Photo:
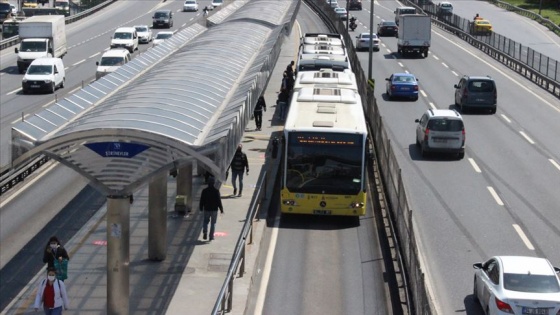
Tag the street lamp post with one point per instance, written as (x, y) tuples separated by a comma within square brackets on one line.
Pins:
[(370, 41)]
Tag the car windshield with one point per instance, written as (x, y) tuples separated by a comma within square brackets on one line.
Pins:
[(123, 35), (403, 78), (141, 29), (389, 24), (5, 7), (481, 86), (366, 36), (111, 61), (531, 283), (190, 2), (445, 125), (61, 4), (33, 46), (163, 36), (160, 15), (407, 11), (40, 69)]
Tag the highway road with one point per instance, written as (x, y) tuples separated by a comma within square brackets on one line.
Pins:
[(502, 198)]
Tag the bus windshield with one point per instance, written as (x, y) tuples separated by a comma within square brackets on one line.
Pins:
[(324, 163)]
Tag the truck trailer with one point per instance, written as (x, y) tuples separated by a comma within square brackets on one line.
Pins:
[(415, 34), (41, 36)]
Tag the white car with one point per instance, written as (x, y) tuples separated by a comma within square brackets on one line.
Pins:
[(14, 9), (517, 285), (342, 13), (190, 5), (217, 3), (44, 74), (161, 36), (363, 39), (144, 34)]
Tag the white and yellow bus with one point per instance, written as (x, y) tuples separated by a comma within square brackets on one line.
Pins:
[(324, 159)]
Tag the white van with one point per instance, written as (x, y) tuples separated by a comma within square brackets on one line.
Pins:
[(402, 11), (125, 37), (111, 60), (44, 74)]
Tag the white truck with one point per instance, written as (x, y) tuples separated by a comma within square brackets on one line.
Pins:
[(41, 36), (415, 34)]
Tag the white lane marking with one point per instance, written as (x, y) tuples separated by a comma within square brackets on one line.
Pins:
[(524, 237), (14, 91), (455, 73), (443, 63), (555, 164), (94, 55), (495, 195), (432, 105), (400, 64), (521, 85), (423, 93), (435, 57), (77, 63), (474, 165), (527, 137), (267, 267), (505, 118)]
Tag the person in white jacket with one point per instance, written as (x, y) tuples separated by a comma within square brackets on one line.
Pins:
[(51, 294)]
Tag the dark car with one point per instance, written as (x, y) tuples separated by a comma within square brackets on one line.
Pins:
[(355, 5), (5, 11), (162, 18), (476, 92), (387, 28)]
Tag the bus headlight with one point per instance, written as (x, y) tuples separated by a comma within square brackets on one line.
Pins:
[(289, 202), (357, 205)]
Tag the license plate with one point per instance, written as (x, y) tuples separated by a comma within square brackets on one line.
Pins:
[(322, 212), (34, 86), (439, 140), (404, 89), (534, 311)]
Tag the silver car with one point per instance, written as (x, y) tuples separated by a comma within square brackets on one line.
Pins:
[(517, 285), (441, 130), (144, 33), (363, 40)]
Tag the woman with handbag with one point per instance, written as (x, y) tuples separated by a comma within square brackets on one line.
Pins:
[(51, 295), (55, 253)]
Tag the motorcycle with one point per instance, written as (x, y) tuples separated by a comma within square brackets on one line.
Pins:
[(353, 24)]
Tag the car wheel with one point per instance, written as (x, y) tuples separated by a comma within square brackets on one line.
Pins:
[(460, 156), (53, 87), (415, 98), (62, 83), (493, 111), (423, 151), (21, 70), (417, 142)]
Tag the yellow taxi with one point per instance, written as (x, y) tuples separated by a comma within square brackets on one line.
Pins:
[(481, 26), (30, 4)]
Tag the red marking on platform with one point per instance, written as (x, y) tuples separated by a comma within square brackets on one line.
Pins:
[(220, 234), (100, 243)]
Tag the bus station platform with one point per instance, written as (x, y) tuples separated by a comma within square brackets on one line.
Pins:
[(189, 280)]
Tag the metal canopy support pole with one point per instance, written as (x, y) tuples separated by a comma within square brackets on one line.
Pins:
[(370, 63), (157, 218), (118, 253)]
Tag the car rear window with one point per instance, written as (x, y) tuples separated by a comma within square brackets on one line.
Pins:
[(481, 86), (531, 283), (445, 124)]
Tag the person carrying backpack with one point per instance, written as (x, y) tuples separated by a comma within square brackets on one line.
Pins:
[(51, 295), (238, 165)]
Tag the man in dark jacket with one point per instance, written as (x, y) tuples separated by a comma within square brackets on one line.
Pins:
[(258, 112), (238, 166), (210, 203)]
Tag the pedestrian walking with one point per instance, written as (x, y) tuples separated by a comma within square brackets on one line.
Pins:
[(238, 166), (51, 294), (258, 112), (290, 69), (210, 203), (205, 11), (54, 251)]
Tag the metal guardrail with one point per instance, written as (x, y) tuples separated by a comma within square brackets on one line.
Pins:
[(70, 19), (530, 14)]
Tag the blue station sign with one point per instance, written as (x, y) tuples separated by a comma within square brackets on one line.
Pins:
[(117, 149)]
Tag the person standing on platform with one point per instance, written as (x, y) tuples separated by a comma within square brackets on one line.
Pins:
[(54, 250), (210, 203), (238, 166), (258, 112)]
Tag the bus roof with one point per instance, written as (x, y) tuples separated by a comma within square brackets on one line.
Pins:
[(326, 78), (323, 49), (317, 110), (322, 38)]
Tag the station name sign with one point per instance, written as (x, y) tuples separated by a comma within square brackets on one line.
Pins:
[(117, 149)]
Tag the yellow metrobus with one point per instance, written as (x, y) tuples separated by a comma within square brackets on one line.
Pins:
[(324, 157)]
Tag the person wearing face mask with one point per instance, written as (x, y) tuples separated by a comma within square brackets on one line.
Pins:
[(54, 250), (51, 295)]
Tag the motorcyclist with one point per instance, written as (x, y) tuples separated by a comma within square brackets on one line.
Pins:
[(352, 22)]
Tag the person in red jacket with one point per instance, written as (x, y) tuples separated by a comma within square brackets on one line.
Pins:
[(51, 295)]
